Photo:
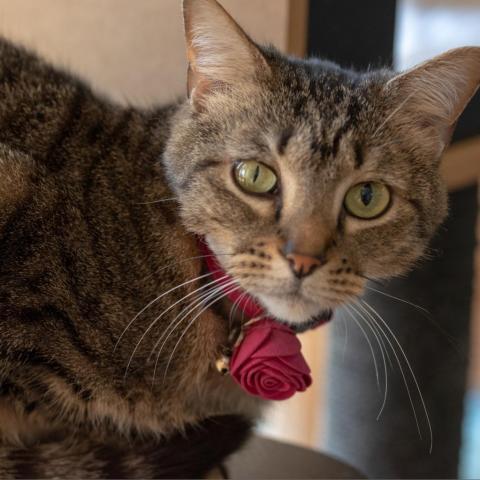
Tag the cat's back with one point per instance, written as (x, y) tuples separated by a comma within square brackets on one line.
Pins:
[(48, 121), (17, 173), (47, 112), (71, 163)]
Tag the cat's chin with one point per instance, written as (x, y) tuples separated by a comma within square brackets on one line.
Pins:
[(301, 315)]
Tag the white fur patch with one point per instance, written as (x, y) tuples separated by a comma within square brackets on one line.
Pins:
[(290, 309)]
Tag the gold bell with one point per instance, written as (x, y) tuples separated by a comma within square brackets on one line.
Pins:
[(222, 364)]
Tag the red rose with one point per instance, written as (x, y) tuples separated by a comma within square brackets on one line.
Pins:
[(269, 363)]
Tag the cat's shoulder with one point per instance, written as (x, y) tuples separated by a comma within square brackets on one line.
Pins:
[(24, 71), (13, 53), (16, 57), (17, 172)]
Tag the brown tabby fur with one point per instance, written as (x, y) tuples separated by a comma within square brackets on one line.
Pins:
[(81, 253), (85, 243)]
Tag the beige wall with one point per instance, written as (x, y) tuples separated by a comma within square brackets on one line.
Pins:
[(132, 49)]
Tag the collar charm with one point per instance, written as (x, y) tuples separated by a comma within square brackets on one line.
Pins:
[(264, 356)]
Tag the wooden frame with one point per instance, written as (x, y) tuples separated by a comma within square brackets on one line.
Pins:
[(297, 27), (461, 164)]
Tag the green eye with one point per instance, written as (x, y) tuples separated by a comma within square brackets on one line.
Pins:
[(255, 177), (367, 200)]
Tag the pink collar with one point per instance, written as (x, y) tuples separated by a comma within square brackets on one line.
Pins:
[(245, 302)]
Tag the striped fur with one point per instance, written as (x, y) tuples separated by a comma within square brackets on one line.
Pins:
[(82, 251)]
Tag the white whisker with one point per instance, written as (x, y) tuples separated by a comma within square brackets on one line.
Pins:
[(196, 301), (451, 340), (163, 200), (191, 323), (399, 299), (410, 369), (152, 324), (367, 338), (381, 347), (374, 326), (234, 308), (345, 336), (156, 300), (205, 297), (389, 117)]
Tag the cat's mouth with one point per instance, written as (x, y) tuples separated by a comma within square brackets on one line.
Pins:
[(248, 307)]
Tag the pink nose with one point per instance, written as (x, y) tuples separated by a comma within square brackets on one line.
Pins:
[(302, 265)]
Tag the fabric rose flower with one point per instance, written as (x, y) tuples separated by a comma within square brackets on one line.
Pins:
[(269, 363)]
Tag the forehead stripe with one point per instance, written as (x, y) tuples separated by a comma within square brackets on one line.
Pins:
[(358, 155), (284, 139)]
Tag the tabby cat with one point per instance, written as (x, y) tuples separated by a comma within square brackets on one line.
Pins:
[(304, 179)]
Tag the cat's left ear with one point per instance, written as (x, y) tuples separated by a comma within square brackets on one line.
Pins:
[(435, 93), (220, 54)]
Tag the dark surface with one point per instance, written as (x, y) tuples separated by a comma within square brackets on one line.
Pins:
[(391, 447), (361, 35), (469, 123), (351, 32), (263, 458)]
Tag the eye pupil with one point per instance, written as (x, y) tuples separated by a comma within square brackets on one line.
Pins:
[(255, 177), (256, 174), (367, 200), (366, 194)]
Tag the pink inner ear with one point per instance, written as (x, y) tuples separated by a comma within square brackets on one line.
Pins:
[(200, 89), (191, 80), (198, 93), (441, 88), (219, 52)]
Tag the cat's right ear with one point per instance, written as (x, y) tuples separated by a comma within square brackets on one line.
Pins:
[(220, 54), (435, 93)]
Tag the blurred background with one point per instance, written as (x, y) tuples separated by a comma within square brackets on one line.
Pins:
[(134, 52)]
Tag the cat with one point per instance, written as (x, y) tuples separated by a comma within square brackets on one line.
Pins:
[(304, 179)]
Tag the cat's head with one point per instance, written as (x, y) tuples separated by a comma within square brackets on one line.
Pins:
[(304, 178)]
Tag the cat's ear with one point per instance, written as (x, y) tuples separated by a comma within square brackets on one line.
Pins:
[(220, 54), (435, 93)]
